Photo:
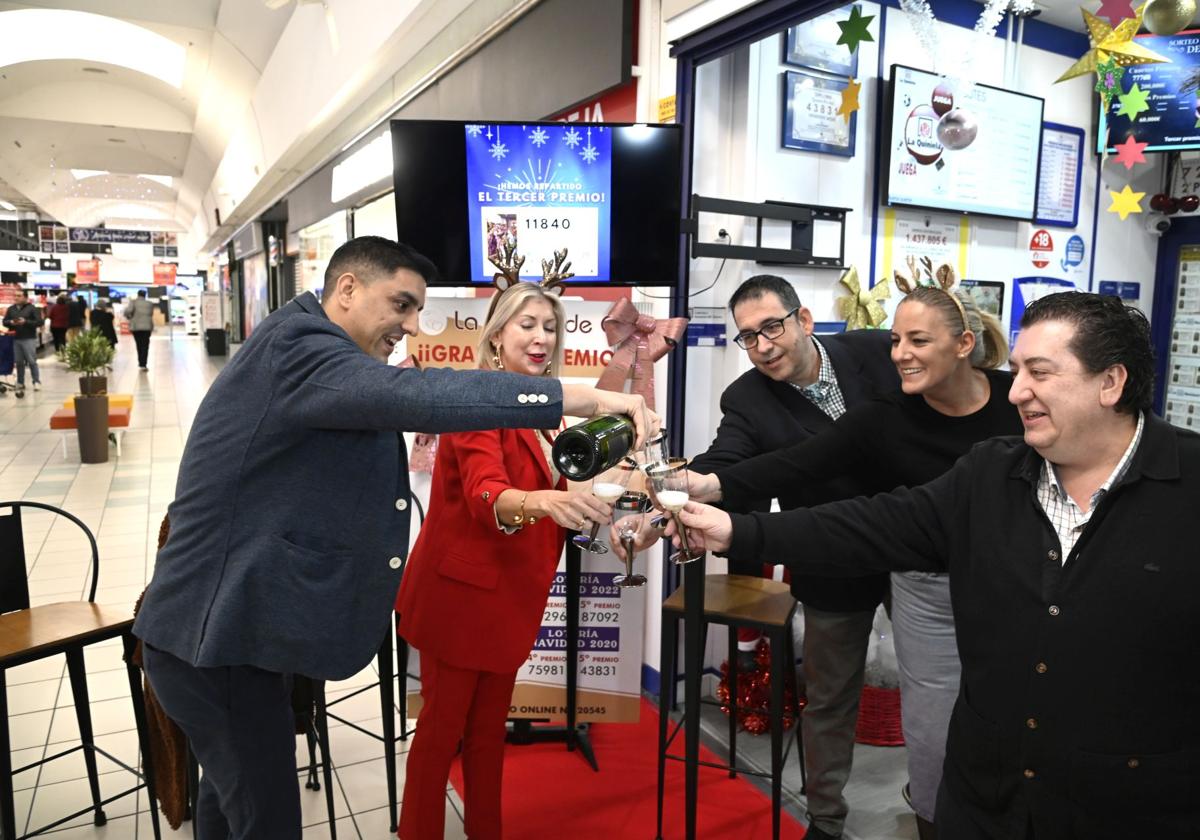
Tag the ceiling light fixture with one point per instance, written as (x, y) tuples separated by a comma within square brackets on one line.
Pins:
[(7, 206), (82, 36)]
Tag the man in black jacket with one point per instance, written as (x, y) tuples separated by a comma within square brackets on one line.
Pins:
[(799, 386), (24, 319), (1073, 576)]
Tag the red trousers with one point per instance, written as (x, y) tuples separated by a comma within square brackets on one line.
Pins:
[(458, 705)]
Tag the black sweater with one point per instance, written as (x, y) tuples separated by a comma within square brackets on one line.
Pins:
[(893, 441)]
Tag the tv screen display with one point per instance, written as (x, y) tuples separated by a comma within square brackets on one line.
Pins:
[(995, 175), (1173, 121), (609, 194)]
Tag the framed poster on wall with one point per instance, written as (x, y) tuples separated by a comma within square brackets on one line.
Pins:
[(1059, 173), (810, 118), (814, 43)]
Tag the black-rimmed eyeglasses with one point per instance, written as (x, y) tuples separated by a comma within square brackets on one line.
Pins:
[(771, 330)]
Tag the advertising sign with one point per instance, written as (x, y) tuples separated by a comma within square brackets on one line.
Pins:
[(539, 189), (87, 271)]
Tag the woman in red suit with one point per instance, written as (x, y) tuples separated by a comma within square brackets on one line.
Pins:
[(476, 583)]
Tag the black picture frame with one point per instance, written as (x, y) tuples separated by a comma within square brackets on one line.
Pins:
[(813, 44), (792, 80)]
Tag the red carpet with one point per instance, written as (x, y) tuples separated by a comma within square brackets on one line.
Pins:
[(551, 793)]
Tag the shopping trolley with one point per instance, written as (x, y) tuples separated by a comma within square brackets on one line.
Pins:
[(6, 368)]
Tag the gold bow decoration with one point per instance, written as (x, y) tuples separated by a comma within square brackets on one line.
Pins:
[(638, 341), (862, 308), (1112, 43)]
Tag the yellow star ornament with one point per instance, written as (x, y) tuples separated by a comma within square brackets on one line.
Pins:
[(1125, 202), (849, 100), (1116, 44)]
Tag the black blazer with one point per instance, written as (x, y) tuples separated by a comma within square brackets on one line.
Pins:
[(1077, 705), (761, 415)]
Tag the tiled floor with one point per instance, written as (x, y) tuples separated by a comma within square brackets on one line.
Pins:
[(123, 502)]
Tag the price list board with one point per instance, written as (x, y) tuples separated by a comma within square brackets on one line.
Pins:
[(1183, 361), (610, 650), (1058, 175)]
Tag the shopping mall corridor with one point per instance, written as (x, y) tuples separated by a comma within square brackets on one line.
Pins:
[(123, 501)]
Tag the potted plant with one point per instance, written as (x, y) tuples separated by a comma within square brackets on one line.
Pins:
[(90, 354)]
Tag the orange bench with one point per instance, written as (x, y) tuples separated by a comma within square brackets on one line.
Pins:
[(118, 421)]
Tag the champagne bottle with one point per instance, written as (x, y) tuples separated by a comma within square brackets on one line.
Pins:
[(589, 448)]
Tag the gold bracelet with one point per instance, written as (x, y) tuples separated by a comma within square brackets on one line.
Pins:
[(519, 517)]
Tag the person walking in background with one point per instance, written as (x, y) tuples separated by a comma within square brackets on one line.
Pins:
[(24, 319), (76, 315), (140, 314), (102, 320), (60, 318)]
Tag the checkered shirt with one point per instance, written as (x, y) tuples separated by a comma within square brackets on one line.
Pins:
[(1066, 517), (824, 393)]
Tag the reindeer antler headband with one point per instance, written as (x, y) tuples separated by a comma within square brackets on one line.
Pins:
[(554, 273), (942, 279)]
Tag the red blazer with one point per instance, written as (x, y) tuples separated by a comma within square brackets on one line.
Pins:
[(472, 595)]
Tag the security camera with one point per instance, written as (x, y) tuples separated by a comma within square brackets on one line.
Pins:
[(1156, 224)]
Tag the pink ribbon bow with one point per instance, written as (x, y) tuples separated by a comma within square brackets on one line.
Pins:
[(638, 341)]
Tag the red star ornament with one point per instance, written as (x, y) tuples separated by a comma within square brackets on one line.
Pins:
[(1130, 152), (1115, 10)]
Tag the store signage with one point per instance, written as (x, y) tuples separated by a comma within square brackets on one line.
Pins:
[(1041, 248), (1123, 290), (618, 105), (51, 264), (87, 271), (1075, 251), (132, 237), (370, 164), (164, 274), (666, 109)]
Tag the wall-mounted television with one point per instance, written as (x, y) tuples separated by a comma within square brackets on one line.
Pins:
[(1171, 123), (996, 175), (607, 193)]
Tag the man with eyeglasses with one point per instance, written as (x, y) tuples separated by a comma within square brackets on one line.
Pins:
[(799, 385)]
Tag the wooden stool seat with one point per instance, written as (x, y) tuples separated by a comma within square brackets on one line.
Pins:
[(34, 632), (64, 418), (749, 601), (114, 400)]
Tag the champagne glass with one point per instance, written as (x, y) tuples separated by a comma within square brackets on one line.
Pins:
[(628, 513), (607, 487), (670, 482), (655, 450)]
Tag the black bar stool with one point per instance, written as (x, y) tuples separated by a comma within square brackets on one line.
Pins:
[(735, 601)]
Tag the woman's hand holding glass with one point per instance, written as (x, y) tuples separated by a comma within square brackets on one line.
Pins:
[(607, 487), (574, 510)]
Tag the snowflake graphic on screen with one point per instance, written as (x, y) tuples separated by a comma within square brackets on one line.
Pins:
[(539, 137), (589, 153), (474, 130), (498, 150), (572, 138)]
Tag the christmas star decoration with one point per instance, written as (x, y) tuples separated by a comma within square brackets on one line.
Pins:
[(1108, 81), (1125, 202), (849, 100), (1115, 10), (1130, 152), (1133, 102), (1112, 42), (854, 30)]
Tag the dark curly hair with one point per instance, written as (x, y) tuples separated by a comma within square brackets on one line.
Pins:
[(1107, 333)]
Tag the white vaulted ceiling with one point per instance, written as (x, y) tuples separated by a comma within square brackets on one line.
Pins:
[(78, 108)]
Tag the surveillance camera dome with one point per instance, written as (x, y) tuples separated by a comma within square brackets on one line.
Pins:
[(1156, 224)]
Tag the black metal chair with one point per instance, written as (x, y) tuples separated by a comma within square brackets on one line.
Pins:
[(29, 633), (735, 601)]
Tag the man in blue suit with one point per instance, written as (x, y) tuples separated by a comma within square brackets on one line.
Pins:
[(291, 521)]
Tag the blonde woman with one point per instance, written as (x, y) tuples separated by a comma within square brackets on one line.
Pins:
[(473, 592)]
